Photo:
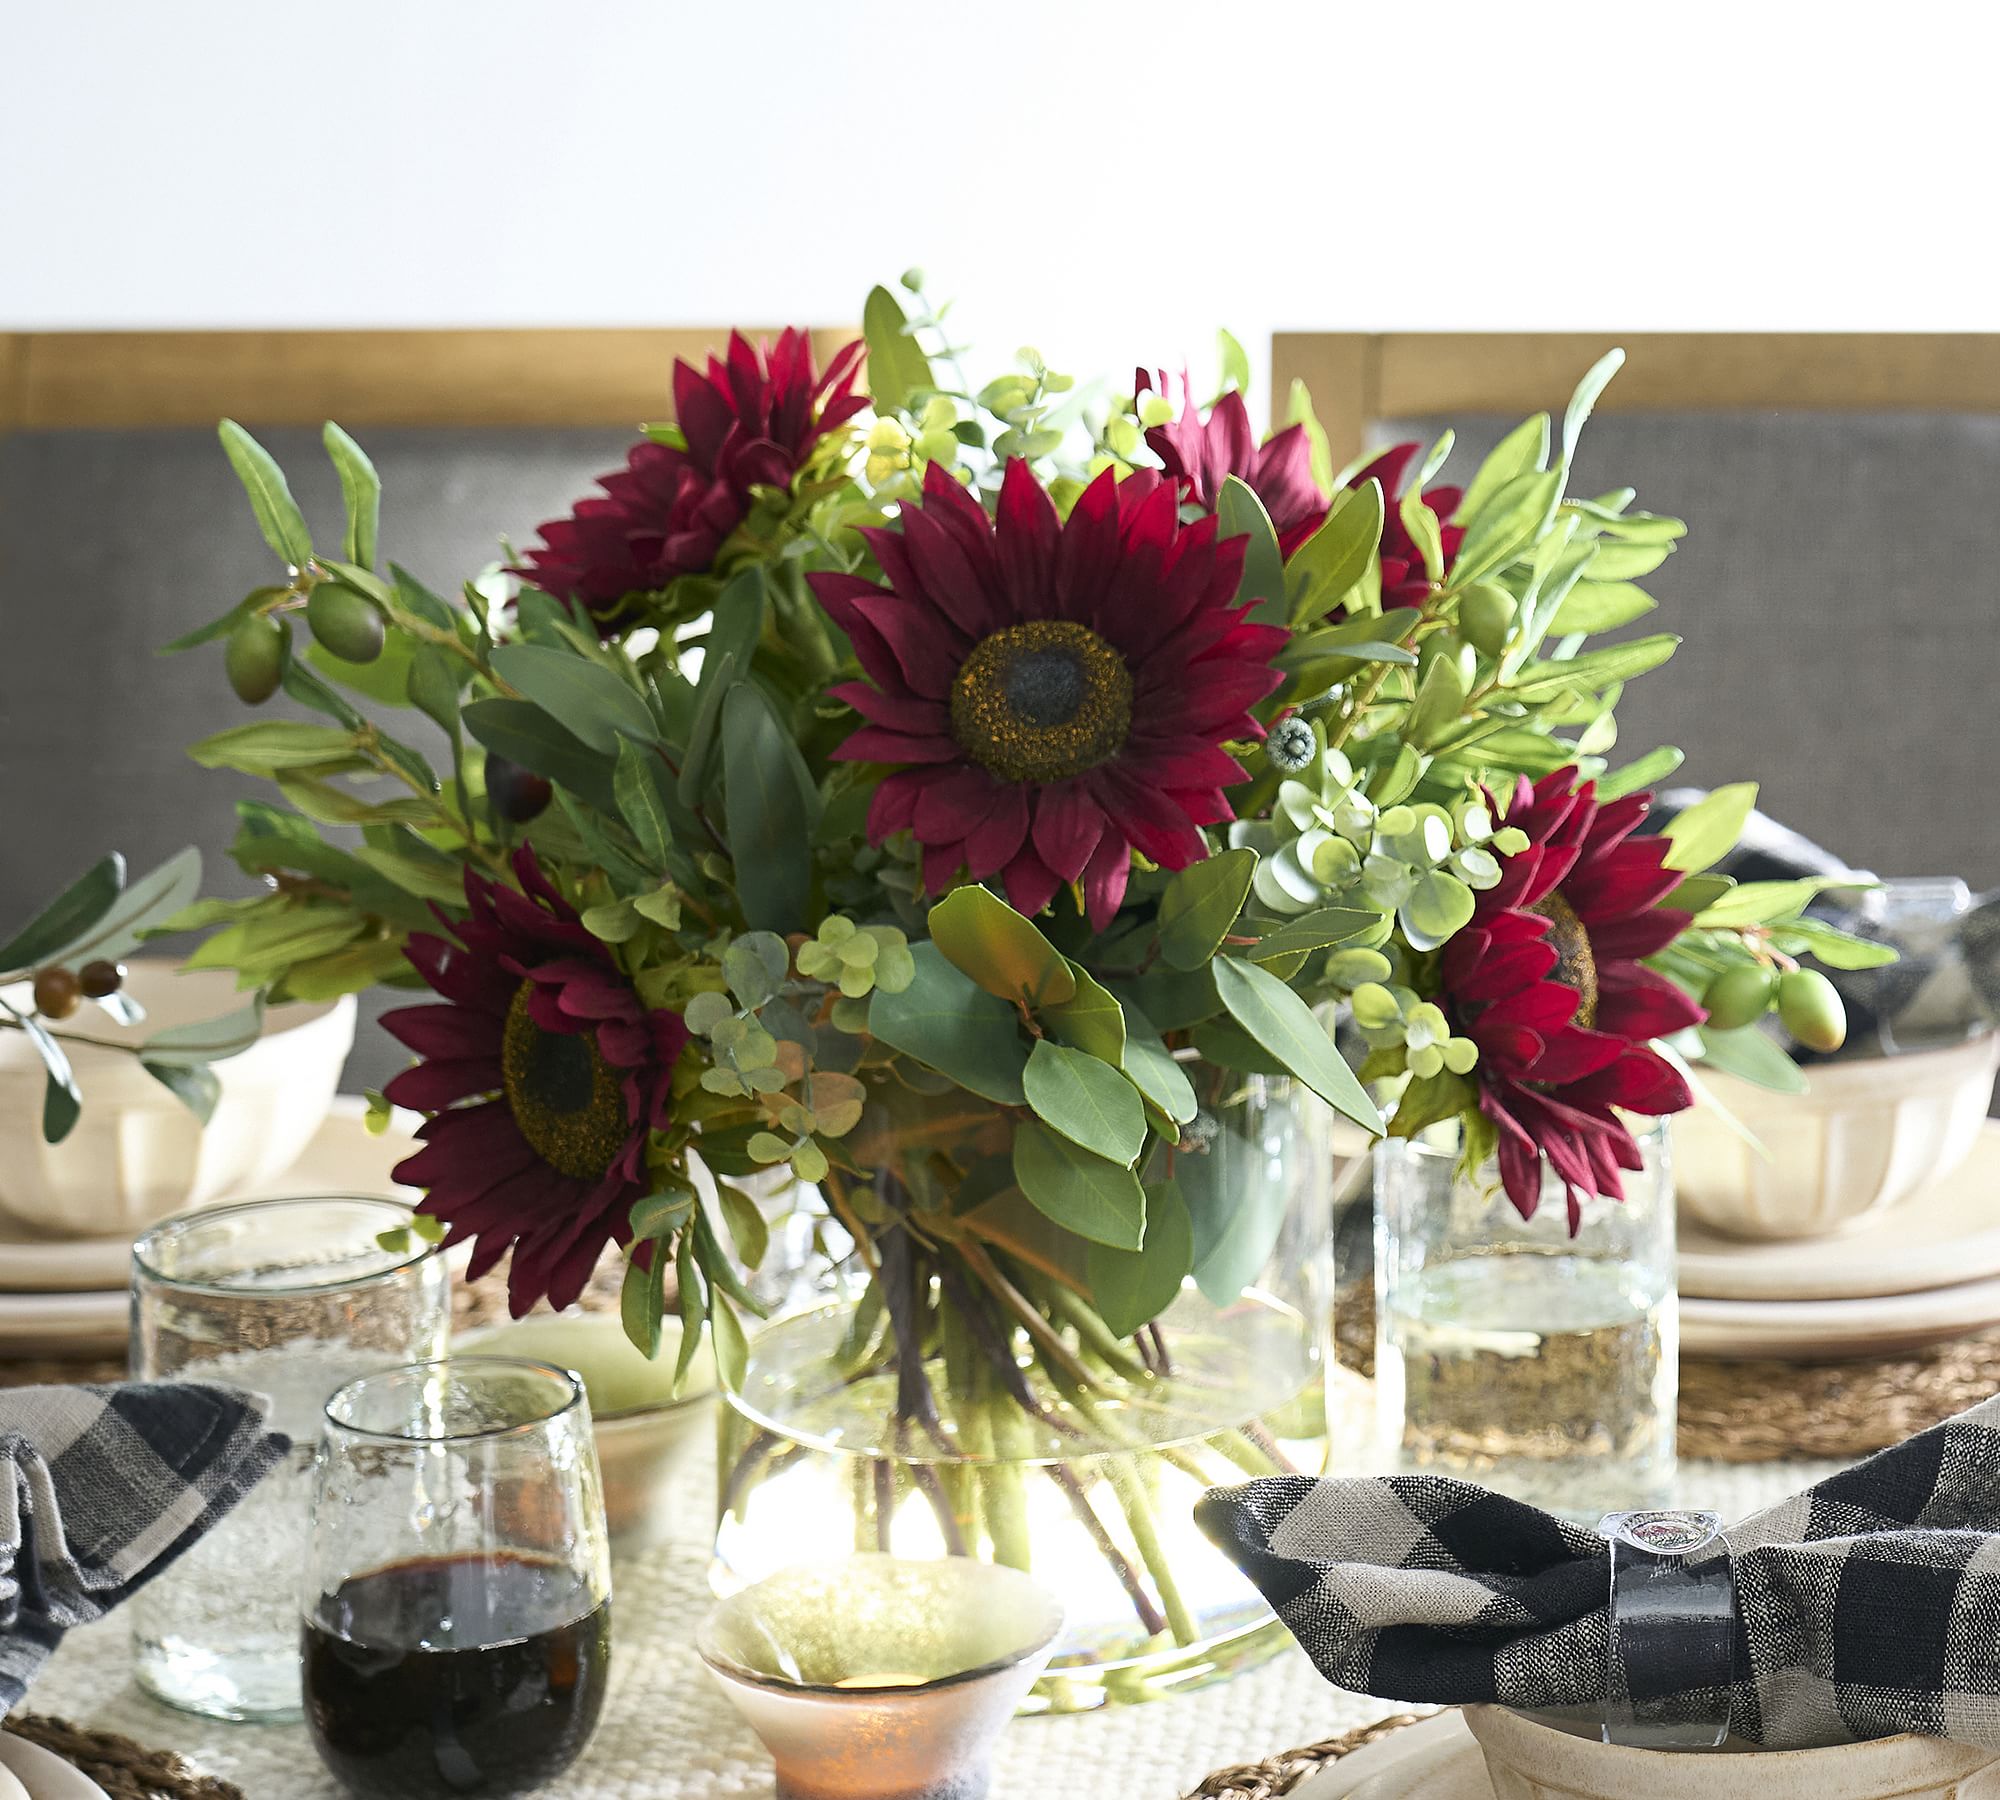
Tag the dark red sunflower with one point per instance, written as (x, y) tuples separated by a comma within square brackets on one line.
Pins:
[(1546, 980), (749, 422), (1201, 454), (1055, 694), (1404, 579), (544, 1075)]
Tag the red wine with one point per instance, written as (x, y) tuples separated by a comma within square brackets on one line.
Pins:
[(480, 1674)]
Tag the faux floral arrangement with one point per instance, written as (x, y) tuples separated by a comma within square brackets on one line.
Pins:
[(911, 785)]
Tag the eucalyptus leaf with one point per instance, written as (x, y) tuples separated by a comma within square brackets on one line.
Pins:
[(1090, 1019), (945, 1021), (1005, 953), (1131, 1288), (1088, 1101), (1201, 904), (525, 735), (1279, 1020), (1153, 1071), (1085, 1194), (195, 1085)]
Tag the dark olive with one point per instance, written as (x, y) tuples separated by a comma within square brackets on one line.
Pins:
[(101, 979), (345, 623), (255, 657), (517, 795), (58, 993)]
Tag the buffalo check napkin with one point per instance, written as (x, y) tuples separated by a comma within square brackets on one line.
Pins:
[(100, 1489), (1865, 1606)]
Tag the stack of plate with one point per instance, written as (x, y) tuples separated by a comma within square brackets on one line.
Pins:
[(67, 1298), (28, 1772), (1921, 1272)]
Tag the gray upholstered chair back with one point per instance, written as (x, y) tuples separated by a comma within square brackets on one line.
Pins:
[(1838, 592)]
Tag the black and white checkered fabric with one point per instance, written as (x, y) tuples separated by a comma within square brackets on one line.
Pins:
[(100, 1489), (1866, 1606)]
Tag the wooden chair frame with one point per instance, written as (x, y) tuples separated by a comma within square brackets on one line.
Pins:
[(130, 379), (1357, 379)]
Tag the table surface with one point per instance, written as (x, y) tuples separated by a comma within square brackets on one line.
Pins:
[(668, 1734)]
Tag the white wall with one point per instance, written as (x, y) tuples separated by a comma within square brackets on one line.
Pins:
[(1107, 180)]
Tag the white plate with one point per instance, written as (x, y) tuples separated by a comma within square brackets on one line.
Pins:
[(1878, 1326), (341, 1158), (1947, 1235), (43, 1774), (1437, 1760)]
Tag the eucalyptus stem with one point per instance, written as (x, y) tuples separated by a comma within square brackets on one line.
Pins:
[(1137, 1507), (1094, 1334), (1151, 1620), (1024, 1310), (1004, 1491)]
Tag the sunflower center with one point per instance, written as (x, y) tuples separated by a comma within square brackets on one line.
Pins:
[(1041, 701), (564, 1096), (1575, 965)]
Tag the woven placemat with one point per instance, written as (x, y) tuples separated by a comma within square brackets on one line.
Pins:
[(1283, 1772), (123, 1769)]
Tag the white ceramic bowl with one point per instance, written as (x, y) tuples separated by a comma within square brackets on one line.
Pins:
[(1865, 1136), (138, 1154), (1528, 1760)]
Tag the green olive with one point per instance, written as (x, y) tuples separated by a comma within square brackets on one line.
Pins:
[(254, 657), (1739, 996), (1485, 616), (1809, 1008), (344, 623)]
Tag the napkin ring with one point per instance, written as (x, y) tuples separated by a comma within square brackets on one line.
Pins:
[(1670, 1652)]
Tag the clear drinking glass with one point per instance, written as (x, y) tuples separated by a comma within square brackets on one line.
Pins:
[(1509, 1352), (290, 1298), (457, 1599)]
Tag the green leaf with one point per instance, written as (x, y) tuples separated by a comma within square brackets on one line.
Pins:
[(386, 680), (326, 804), (1082, 1193), (1623, 562), (1279, 1020), (1299, 411), (222, 627), (636, 782), (434, 687), (268, 745), (1201, 903), (766, 812), (1837, 949), (1762, 902), (1707, 831), (1131, 1288), (524, 734), (67, 917), (1336, 556), (427, 878), (731, 1347), (1593, 384), (1235, 362), (1003, 952), (360, 493), (1654, 766), (1088, 1101), (641, 1301), (1314, 931), (706, 730), (582, 696), (948, 1023), (1750, 1055), (1172, 998), (411, 596), (278, 515), (1594, 669), (195, 1085), (661, 1214), (1239, 513), (1698, 893), (1091, 1019), (1438, 905), (144, 906), (1440, 700), (1152, 1070), (1522, 451), (1600, 605), (692, 1296), (1422, 526), (62, 1100), (1227, 1045), (1505, 525), (897, 367)]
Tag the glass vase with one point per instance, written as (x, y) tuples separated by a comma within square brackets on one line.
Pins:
[(1517, 1353), (954, 1391)]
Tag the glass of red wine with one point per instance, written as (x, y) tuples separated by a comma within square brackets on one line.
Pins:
[(458, 1592)]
